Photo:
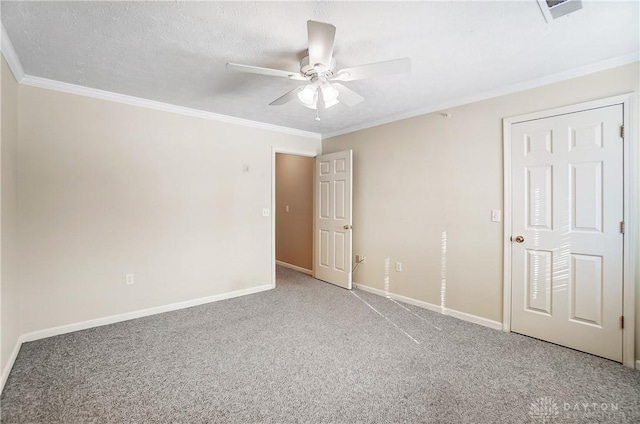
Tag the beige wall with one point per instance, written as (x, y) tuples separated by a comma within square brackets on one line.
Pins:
[(108, 189), (294, 229), (9, 216), (417, 179)]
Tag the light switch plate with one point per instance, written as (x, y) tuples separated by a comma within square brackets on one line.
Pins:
[(495, 215)]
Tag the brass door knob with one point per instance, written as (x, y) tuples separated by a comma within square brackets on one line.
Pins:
[(519, 239), (347, 227)]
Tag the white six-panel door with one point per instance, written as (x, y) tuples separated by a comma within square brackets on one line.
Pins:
[(333, 218), (567, 247)]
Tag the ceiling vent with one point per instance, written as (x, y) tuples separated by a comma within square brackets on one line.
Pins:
[(553, 9)]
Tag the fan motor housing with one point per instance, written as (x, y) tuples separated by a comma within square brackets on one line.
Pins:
[(319, 70)]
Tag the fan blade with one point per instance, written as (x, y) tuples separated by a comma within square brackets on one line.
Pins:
[(320, 106), (347, 96), (286, 98), (390, 67), (262, 71), (321, 39)]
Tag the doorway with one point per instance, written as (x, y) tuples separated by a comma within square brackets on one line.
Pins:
[(331, 205), (294, 211), (567, 199)]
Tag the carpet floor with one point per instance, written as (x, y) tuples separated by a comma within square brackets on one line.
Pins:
[(309, 352)]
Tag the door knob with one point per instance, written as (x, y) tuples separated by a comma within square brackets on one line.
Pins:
[(519, 239), (347, 227)]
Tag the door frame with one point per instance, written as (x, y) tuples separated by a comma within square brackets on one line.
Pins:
[(289, 151), (630, 208)]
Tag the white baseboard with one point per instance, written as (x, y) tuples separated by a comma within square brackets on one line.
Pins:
[(435, 308), (294, 267), (49, 332), (12, 360), (638, 364)]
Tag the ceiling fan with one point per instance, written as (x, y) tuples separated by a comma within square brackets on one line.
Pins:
[(318, 69)]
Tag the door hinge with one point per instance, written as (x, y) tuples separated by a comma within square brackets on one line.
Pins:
[(622, 321), (622, 131), (622, 227)]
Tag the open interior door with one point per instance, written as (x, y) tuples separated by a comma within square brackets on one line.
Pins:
[(333, 181)]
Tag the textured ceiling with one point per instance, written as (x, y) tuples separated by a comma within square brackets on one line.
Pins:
[(175, 52)]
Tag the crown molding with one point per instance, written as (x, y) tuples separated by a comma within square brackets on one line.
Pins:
[(16, 67), (10, 55), (151, 104), (514, 88)]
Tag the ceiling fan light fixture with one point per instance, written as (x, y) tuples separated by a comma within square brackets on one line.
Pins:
[(330, 103), (308, 95), (329, 92)]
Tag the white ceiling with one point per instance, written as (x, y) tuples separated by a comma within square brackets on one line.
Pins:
[(175, 52)]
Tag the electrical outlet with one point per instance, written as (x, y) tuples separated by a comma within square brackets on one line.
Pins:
[(398, 266), (128, 278)]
